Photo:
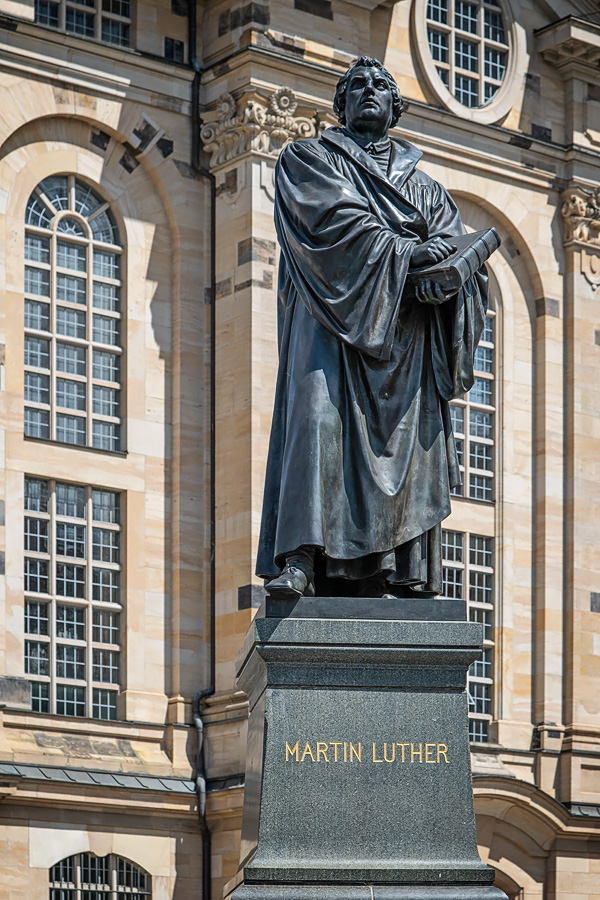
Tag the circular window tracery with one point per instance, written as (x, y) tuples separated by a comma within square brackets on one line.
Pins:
[(468, 43)]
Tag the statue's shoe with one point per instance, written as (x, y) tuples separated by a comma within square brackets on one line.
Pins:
[(291, 584)]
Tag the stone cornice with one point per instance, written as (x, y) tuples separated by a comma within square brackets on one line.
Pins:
[(568, 42), (252, 124)]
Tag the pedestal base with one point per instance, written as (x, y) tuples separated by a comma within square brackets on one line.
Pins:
[(358, 780)]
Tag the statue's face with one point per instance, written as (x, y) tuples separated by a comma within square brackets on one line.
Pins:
[(369, 99)]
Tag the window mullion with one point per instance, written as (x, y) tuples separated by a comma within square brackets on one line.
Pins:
[(89, 335), (52, 587), (88, 586)]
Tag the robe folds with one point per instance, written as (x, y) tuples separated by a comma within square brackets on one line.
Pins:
[(362, 457)]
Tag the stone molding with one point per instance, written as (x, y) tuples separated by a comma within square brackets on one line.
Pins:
[(252, 124), (581, 215)]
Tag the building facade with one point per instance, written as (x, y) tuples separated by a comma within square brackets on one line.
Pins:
[(137, 149)]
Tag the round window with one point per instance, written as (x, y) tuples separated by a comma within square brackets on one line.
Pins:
[(469, 49)]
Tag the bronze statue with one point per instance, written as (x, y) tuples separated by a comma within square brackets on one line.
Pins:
[(362, 457)]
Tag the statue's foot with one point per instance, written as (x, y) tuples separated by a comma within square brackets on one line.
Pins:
[(291, 584)]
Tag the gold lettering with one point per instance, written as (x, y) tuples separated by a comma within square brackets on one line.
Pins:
[(414, 752), (322, 748), (357, 753), (335, 745), (443, 752), (307, 752), (427, 760), (385, 756), (403, 746), (292, 751), (375, 760), (345, 752)]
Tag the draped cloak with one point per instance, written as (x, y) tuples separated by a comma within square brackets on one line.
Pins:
[(362, 457)]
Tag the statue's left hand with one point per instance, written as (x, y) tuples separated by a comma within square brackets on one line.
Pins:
[(428, 291)]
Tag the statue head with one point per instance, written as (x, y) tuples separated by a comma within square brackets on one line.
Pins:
[(370, 68)]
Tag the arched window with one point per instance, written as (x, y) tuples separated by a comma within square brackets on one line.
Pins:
[(87, 877), (468, 43), (73, 316)]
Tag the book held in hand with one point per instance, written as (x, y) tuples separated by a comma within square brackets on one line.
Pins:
[(472, 250)]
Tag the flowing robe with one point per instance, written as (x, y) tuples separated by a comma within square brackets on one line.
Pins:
[(362, 457)]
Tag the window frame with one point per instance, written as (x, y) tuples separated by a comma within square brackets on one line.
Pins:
[(109, 877), (82, 423), (89, 692), (95, 10)]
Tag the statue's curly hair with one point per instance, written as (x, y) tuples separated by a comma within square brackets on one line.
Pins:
[(339, 101)]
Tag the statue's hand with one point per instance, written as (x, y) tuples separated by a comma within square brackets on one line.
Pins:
[(428, 291), (430, 252)]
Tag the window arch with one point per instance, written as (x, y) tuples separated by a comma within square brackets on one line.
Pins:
[(73, 316), (88, 877)]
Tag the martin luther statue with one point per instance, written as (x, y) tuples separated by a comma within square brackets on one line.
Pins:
[(362, 457)]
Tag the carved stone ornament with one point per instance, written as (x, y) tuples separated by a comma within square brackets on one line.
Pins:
[(581, 214), (590, 269), (255, 125)]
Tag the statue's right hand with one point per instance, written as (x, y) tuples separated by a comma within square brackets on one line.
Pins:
[(431, 252)]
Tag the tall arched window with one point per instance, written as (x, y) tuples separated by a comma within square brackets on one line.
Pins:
[(88, 877), (73, 316)]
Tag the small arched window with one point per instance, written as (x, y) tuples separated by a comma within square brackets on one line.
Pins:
[(73, 316), (88, 877)]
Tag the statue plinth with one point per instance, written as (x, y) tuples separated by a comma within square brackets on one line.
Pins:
[(358, 780)]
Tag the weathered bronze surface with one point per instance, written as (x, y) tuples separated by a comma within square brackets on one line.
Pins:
[(362, 457)]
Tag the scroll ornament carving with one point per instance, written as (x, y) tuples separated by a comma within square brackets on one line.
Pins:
[(581, 214), (254, 125)]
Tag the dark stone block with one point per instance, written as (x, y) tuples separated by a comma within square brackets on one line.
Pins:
[(595, 602), (165, 147), (541, 133), (15, 692), (546, 306), (99, 139), (358, 780), (250, 596), (2, 562), (179, 7), (365, 608), (320, 8), (2, 516)]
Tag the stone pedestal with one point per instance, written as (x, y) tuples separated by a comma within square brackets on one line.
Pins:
[(358, 784)]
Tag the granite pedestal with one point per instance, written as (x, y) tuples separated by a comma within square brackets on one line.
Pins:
[(358, 780)]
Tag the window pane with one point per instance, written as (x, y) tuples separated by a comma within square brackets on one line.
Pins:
[(115, 32), (56, 189), (106, 330), (70, 500), (70, 394), (484, 360), (478, 730), (488, 330), (86, 199), (481, 550), (70, 662), (106, 585), (36, 617), (106, 628), (70, 322), (452, 545), (494, 64), (70, 359), (106, 296), (129, 876), (480, 424), (466, 55), (37, 249), (37, 315), (452, 583), (40, 696), (466, 90), (437, 11), (106, 436), (70, 540), (70, 701), (482, 668), (482, 617), (36, 495), (481, 487), (480, 700), (37, 352), (465, 16), (37, 423), (104, 229), (64, 871), (70, 581), (481, 456), (457, 413), (481, 587), (106, 366), (79, 22), (37, 213), (481, 392), (106, 507), (70, 429), (37, 281), (104, 704), (37, 388), (118, 7), (71, 226), (46, 13), (105, 401), (106, 545), (35, 535), (493, 26), (106, 666), (37, 658), (70, 623), (106, 264), (95, 871), (70, 256), (438, 44), (70, 289)]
